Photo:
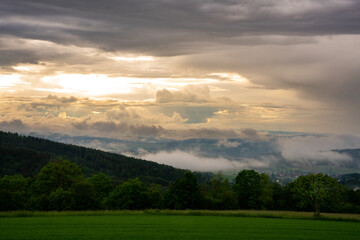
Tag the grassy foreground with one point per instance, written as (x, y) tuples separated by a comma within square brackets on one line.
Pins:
[(163, 225)]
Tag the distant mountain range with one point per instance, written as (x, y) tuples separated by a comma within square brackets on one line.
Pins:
[(26, 155)]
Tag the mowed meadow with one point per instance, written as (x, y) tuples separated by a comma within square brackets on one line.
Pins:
[(177, 225)]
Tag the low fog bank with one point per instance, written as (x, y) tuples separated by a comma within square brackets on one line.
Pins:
[(277, 151), (190, 160)]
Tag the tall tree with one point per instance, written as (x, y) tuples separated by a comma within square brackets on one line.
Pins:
[(13, 192), (57, 174), (14, 183), (131, 195), (315, 190), (248, 189), (221, 194), (102, 185), (184, 193), (267, 191), (61, 200), (85, 196), (156, 196)]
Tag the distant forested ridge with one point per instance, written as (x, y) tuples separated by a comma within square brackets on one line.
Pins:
[(27, 155), (351, 180)]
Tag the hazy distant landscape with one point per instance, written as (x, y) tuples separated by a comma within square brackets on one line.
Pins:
[(283, 154)]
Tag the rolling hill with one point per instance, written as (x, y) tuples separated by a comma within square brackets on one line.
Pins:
[(27, 155)]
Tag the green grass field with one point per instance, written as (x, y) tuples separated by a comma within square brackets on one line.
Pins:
[(164, 226)]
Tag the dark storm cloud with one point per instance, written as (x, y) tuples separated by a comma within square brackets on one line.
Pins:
[(170, 27)]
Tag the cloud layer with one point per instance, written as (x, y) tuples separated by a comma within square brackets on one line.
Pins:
[(172, 27), (190, 161), (181, 69)]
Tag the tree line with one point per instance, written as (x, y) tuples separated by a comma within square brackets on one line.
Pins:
[(61, 186)]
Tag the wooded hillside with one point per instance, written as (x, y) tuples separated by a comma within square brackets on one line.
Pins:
[(27, 155)]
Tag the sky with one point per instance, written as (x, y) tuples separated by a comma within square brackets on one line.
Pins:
[(172, 69)]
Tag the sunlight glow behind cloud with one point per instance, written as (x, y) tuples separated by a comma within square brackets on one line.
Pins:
[(101, 85), (90, 84), (29, 68), (7, 81), (230, 76), (132, 59)]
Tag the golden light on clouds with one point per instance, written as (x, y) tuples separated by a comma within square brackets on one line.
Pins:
[(133, 59), (62, 115), (29, 68), (102, 85), (231, 76), (7, 81), (220, 72), (89, 84)]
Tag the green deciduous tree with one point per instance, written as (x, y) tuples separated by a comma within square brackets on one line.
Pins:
[(266, 192), (14, 183), (221, 194), (184, 193), (57, 174), (13, 192), (10, 201), (316, 190), (102, 185), (155, 196), (61, 200), (85, 196), (278, 197), (39, 203), (248, 189), (131, 195)]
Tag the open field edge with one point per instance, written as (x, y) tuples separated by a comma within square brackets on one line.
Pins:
[(225, 213)]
